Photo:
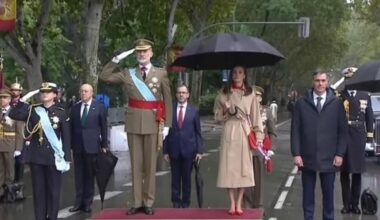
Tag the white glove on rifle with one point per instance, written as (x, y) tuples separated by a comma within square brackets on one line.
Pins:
[(165, 132), (29, 95), (123, 55)]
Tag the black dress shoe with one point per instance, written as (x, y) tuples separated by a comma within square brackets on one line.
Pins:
[(148, 210), (356, 210), (133, 210), (75, 208), (87, 209), (345, 210)]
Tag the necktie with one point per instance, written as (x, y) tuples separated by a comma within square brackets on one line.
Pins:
[(180, 116), (84, 114), (143, 72), (319, 104)]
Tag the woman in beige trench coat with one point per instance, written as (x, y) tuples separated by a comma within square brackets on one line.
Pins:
[(236, 106)]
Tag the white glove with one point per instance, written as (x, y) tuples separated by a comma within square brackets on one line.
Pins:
[(29, 95), (16, 153), (165, 132), (123, 55)]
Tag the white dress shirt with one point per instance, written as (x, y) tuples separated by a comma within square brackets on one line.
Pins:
[(148, 67), (82, 107), (323, 100), (352, 91)]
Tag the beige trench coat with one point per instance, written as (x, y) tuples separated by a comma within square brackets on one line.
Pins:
[(235, 156)]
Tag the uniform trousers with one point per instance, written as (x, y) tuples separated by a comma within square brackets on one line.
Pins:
[(143, 153), (350, 188), (46, 181), (253, 196), (19, 169), (6, 168)]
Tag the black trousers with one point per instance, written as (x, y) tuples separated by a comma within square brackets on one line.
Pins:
[(327, 185), (84, 165), (181, 168), (46, 181), (19, 169), (350, 188)]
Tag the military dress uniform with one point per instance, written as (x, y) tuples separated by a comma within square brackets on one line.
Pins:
[(39, 154), (10, 141), (16, 90), (141, 123), (360, 128)]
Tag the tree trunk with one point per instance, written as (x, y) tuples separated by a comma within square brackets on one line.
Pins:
[(91, 41), (34, 76)]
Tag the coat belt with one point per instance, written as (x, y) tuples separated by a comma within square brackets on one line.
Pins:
[(158, 106)]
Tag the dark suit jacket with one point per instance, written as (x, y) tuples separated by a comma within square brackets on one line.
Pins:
[(93, 134), (319, 137), (186, 141)]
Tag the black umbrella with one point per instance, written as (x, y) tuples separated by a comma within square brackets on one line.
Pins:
[(366, 78), (104, 165), (198, 183), (226, 50)]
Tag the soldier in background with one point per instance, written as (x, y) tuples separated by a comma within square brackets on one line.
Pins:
[(253, 196), (17, 90), (360, 128), (10, 140)]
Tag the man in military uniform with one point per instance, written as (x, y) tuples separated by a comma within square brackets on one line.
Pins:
[(47, 149), (16, 90), (360, 127), (148, 118), (253, 196), (10, 140)]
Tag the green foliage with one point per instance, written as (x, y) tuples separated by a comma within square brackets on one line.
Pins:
[(206, 104)]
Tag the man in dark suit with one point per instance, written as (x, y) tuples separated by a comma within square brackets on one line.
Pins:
[(89, 136), (183, 146), (318, 142)]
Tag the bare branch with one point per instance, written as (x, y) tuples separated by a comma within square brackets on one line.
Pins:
[(171, 22), (15, 52)]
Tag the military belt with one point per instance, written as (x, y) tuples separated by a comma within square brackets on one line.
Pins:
[(5, 133), (355, 122)]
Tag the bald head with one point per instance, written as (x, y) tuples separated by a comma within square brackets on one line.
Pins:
[(86, 92)]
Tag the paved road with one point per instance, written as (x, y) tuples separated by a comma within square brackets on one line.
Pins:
[(282, 188)]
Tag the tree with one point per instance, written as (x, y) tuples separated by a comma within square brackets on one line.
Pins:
[(25, 43)]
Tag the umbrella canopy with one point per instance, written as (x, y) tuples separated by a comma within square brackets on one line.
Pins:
[(104, 165), (226, 50), (366, 78), (198, 183)]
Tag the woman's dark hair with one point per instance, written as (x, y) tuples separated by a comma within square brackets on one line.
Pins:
[(227, 87)]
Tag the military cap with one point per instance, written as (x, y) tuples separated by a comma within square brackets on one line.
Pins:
[(49, 87), (5, 93), (143, 44), (16, 86), (349, 71), (259, 90)]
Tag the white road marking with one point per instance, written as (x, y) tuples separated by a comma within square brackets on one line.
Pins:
[(128, 184), (64, 213), (295, 170), (289, 181), (161, 173), (108, 195), (272, 218), (282, 123), (205, 154), (213, 150), (281, 200)]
